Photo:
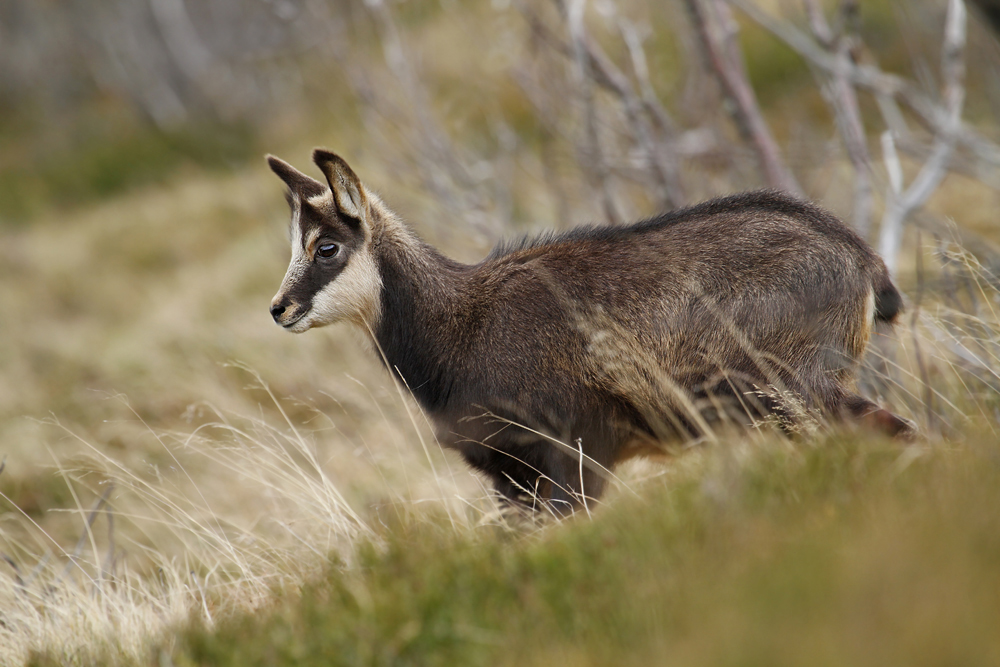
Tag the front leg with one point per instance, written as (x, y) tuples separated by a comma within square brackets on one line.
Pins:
[(520, 486), (517, 472), (538, 474)]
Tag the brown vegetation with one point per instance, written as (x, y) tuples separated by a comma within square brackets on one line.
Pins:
[(140, 245)]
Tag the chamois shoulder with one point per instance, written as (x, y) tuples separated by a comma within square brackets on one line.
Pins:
[(761, 202)]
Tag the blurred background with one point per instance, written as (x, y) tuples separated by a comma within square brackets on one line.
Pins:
[(142, 237)]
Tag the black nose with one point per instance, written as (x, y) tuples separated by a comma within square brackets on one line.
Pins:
[(276, 311)]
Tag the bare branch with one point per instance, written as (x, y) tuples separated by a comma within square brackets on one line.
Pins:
[(666, 163), (639, 107), (817, 21), (934, 170), (444, 169), (585, 75), (717, 31), (91, 517), (886, 87), (840, 94), (607, 74), (893, 167), (640, 68)]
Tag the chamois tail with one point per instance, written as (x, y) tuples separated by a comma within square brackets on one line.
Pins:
[(888, 301)]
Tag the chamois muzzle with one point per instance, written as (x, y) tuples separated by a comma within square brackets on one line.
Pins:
[(285, 312)]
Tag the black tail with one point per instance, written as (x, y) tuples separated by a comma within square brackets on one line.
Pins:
[(888, 301)]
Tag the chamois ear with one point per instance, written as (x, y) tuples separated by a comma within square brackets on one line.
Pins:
[(348, 193), (298, 183)]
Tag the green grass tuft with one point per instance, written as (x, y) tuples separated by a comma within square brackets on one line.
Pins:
[(847, 551)]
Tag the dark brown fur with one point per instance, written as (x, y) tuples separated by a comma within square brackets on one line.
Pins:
[(612, 341)]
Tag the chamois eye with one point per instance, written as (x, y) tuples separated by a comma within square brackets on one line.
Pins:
[(328, 250)]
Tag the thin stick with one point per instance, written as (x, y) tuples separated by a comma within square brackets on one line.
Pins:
[(664, 161), (585, 77), (717, 31), (934, 170), (918, 352), (87, 534), (888, 88), (843, 100)]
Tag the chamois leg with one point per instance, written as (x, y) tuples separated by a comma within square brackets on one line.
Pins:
[(518, 475), (870, 415), (572, 484)]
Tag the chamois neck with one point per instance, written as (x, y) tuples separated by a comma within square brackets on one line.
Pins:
[(420, 296)]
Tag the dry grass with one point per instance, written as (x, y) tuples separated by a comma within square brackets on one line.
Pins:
[(148, 335), (213, 507), (173, 457)]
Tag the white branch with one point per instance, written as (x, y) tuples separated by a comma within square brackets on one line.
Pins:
[(843, 100), (718, 33), (934, 170), (884, 86)]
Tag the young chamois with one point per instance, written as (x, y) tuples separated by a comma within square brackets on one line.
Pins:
[(555, 358)]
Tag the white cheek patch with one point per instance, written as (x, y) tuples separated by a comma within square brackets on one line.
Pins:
[(355, 295)]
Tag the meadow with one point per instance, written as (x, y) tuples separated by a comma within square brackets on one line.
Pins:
[(183, 483)]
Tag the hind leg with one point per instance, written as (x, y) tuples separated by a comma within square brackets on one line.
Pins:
[(870, 415)]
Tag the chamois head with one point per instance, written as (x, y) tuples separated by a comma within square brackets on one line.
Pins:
[(332, 275)]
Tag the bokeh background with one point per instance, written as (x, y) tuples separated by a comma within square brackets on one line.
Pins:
[(142, 237)]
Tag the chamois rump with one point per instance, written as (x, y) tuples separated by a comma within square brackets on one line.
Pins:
[(555, 358)]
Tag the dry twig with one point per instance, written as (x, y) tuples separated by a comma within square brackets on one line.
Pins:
[(91, 517), (943, 121), (649, 123), (887, 88), (934, 170), (717, 31), (573, 14), (840, 94)]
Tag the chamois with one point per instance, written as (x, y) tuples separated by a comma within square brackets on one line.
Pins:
[(555, 358)]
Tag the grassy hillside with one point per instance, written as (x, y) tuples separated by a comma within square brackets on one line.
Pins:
[(837, 552), (184, 483), (844, 550)]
